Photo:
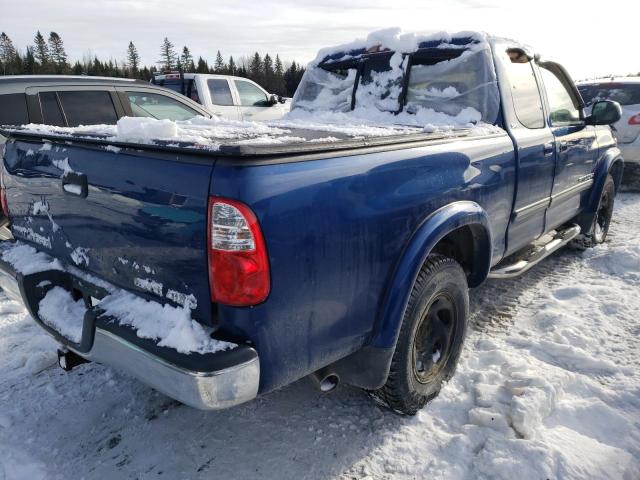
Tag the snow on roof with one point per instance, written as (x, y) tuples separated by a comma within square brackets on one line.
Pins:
[(599, 81), (394, 39)]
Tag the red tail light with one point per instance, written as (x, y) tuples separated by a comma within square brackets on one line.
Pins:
[(635, 120), (238, 263)]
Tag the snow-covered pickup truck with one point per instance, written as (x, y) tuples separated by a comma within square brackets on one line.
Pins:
[(217, 260)]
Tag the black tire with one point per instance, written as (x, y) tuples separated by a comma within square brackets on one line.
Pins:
[(431, 336), (602, 219)]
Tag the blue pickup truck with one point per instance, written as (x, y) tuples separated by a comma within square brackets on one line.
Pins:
[(345, 256)]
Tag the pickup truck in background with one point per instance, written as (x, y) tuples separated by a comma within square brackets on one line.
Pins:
[(339, 250), (234, 98)]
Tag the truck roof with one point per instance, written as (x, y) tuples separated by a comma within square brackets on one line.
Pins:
[(163, 76), (72, 79)]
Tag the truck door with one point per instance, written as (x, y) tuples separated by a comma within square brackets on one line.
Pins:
[(254, 102), (576, 145), (534, 146), (220, 99)]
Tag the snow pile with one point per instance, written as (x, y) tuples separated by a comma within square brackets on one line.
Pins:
[(170, 326), (173, 327), (450, 94), (27, 260), (61, 312)]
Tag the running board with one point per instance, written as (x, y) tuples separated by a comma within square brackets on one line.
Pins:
[(521, 265)]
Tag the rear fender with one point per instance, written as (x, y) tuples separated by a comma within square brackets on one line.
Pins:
[(435, 227)]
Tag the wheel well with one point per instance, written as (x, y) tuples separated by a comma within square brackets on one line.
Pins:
[(616, 172), (465, 245)]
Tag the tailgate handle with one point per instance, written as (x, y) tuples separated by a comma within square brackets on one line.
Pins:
[(74, 183)]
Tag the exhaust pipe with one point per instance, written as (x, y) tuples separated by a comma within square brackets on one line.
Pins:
[(325, 380)]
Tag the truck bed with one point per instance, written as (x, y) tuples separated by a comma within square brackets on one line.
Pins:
[(296, 142)]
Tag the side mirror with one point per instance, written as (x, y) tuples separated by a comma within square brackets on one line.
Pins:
[(604, 112), (275, 99)]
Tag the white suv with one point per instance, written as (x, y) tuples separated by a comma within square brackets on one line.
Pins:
[(625, 91), (230, 97)]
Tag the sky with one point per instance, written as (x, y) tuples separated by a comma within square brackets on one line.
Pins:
[(588, 38)]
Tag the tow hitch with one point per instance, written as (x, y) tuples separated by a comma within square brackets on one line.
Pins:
[(67, 360)]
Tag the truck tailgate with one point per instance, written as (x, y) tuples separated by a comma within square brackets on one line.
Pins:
[(138, 222)]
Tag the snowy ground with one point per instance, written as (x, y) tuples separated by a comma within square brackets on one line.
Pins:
[(548, 388)]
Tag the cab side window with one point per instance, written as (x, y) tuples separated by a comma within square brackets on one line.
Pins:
[(220, 92), (563, 108), (250, 95), (524, 91)]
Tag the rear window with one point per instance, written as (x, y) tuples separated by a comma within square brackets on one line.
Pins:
[(623, 93), (88, 108), (13, 109), (327, 88)]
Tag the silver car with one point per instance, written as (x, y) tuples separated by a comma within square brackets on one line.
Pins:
[(69, 101), (625, 91)]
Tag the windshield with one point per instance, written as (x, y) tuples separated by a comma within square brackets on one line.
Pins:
[(623, 93), (433, 83)]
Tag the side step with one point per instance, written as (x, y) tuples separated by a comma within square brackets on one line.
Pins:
[(521, 264)]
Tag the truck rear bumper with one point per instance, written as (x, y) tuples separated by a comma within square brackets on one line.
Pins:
[(210, 389), (209, 381)]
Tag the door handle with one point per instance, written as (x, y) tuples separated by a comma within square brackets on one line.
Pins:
[(75, 184), (564, 146), (547, 149)]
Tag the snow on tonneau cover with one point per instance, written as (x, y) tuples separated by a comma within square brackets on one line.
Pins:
[(90, 198)]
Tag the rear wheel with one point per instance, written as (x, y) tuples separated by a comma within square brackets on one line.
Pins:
[(431, 336)]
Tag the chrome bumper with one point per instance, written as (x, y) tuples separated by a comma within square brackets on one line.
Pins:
[(206, 390), (208, 382)]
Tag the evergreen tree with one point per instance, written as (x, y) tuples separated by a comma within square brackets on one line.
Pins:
[(231, 66), (278, 72), (57, 54), (168, 55), (292, 78), (133, 58), (219, 66), (256, 68), (202, 67), (29, 64), (41, 51), (186, 59), (268, 74), (9, 58), (78, 69)]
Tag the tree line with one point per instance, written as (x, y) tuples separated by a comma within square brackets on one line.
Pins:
[(48, 56)]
